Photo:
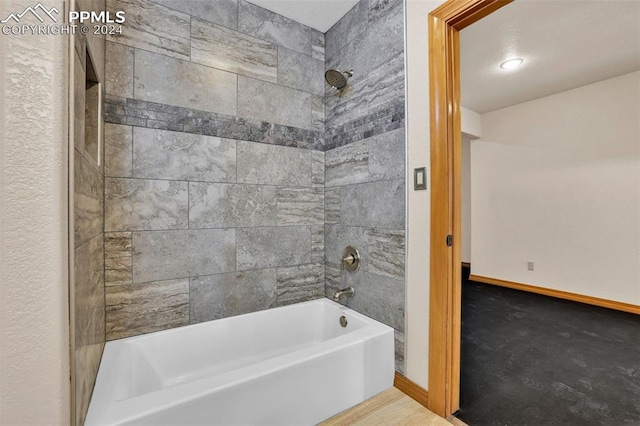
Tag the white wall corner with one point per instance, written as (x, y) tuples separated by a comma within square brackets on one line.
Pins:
[(471, 123)]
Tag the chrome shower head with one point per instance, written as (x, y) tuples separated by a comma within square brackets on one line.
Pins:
[(337, 79)]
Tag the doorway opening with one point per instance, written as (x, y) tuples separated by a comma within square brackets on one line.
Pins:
[(445, 24)]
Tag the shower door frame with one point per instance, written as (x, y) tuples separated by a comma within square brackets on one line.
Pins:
[(445, 24)]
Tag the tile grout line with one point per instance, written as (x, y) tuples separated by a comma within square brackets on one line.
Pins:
[(188, 205), (224, 183), (133, 83), (189, 301), (132, 152)]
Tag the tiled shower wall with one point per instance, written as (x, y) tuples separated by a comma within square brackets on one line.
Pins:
[(214, 199), (365, 162), (88, 324)]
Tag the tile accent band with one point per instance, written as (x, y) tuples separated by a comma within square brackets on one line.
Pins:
[(388, 117), (153, 115)]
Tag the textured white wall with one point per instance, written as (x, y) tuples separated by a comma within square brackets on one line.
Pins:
[(418, 202), (34, 319), (471, 129), (471, 123), (556, 181)]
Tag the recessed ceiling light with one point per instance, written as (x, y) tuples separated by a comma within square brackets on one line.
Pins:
[(510, 64)]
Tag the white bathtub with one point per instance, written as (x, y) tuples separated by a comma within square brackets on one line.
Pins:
[(294, 365)]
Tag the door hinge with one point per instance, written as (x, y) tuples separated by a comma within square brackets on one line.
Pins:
[(449, 240)]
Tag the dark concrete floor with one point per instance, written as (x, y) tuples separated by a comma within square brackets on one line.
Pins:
[(535, 360)]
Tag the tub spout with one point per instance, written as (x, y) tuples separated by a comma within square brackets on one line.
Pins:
[(349, 292)]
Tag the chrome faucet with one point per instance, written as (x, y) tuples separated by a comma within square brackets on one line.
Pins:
[(349, 292)]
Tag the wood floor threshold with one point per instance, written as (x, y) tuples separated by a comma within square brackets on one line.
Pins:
[(411, 389), (389, 408), (590, 300)]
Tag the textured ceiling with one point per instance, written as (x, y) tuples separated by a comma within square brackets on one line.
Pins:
[(565, 44), (318, 14)]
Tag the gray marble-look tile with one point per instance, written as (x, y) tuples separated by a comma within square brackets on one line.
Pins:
[(339, 237), (225, 295), (89, 318), (152, 27), (118, 150), (317, 168), (380, 120), (118, 270), (376, 204), (270, 26), (332, 205), (87, 362), (192, 85), (380, 8), (118, 258), (333, 281), (301, 283), (317, 113), (161, 154), (299, 71), (146, 307), (89, 292), (79, 93), (387, 155), (95, 42), (300, 206), (386, 252), (161, 255), (386, 37), (140, 204), (220, 205), (350, 26), (259, 248), (399, 350), (221, 12), (88, 200), (349, 104), (347, 164), (80, 45), (378, 297), (119, 70), (317, 45), (273, 165), (116, 244), (385, 84), (230, 50), (271, 102), (374, 47), (93, 118), (317, 244)]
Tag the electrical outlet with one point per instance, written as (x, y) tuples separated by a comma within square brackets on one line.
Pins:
[(530, 266)]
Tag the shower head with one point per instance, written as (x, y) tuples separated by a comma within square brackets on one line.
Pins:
[(337, 79)]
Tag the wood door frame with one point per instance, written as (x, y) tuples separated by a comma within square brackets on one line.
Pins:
[(445, 24)]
